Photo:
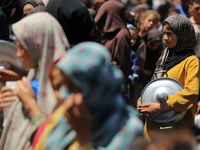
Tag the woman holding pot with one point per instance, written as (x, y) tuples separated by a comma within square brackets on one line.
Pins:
[(182, 65)]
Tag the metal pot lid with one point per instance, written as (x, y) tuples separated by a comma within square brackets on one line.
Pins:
[(8, 54), (157, 91)]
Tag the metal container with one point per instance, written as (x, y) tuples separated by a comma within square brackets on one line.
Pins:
[(157, 91)]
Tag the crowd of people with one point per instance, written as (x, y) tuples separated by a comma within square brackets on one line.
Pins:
[(86, 64)]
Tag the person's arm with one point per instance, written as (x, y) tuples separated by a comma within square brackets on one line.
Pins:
[(181, 101), (151, 110), (25, 93), (7, 96), (9, 75), (121, 52), (187, 98), (141, 54), (198, 108)]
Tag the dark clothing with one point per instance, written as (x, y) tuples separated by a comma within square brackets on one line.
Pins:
[(111, 21), (140, 50), (7, 7), (152, 56), (150, 63), (186, 42), (74, 19), (4, 29)]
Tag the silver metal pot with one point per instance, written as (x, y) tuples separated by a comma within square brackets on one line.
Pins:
[(157, 91)]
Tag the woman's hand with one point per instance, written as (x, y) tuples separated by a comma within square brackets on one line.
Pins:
[(7, 96), (26, 95), (79, 117), (149, 110), (24, 91)]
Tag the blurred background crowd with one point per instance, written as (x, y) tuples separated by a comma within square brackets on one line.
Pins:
[(53, 41)]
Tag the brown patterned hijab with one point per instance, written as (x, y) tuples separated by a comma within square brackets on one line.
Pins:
[(184, 31), (186, 42)]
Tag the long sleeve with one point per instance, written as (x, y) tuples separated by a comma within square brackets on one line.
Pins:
[(121, 52), (187, 73), (36, 122)]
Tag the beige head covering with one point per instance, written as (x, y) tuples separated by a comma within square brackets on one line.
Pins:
[(43, 36)]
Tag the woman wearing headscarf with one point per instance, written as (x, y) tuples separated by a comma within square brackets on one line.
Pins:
[(43, 38), (181, 64), (28, 5), (111, 21), (82, 69), (73, 17)]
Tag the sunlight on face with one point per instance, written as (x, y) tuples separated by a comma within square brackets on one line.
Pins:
[(169, 38), (25, 56)]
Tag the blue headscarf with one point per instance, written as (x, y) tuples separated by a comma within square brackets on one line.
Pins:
[(88, 66)]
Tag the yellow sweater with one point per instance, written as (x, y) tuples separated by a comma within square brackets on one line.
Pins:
[(187, 73)]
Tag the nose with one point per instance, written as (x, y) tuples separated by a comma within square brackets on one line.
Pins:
[(151, 23), (165, 37)]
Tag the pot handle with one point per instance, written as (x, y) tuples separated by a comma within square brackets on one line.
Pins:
[(164, 126), (160, 73)]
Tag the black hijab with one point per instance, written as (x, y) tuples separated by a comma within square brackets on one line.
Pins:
[(186, 41), (4, 30), (74, 19)]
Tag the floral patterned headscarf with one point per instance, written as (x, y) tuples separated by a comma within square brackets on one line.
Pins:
[(43, 36)]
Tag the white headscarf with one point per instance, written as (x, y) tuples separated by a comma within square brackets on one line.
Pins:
[(43, 36)]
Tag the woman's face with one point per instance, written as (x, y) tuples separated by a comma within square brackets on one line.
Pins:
[(58, 79), (27, 8), (57, 82), (149, 23), (169, 38), (134, 36), (25, 56)]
